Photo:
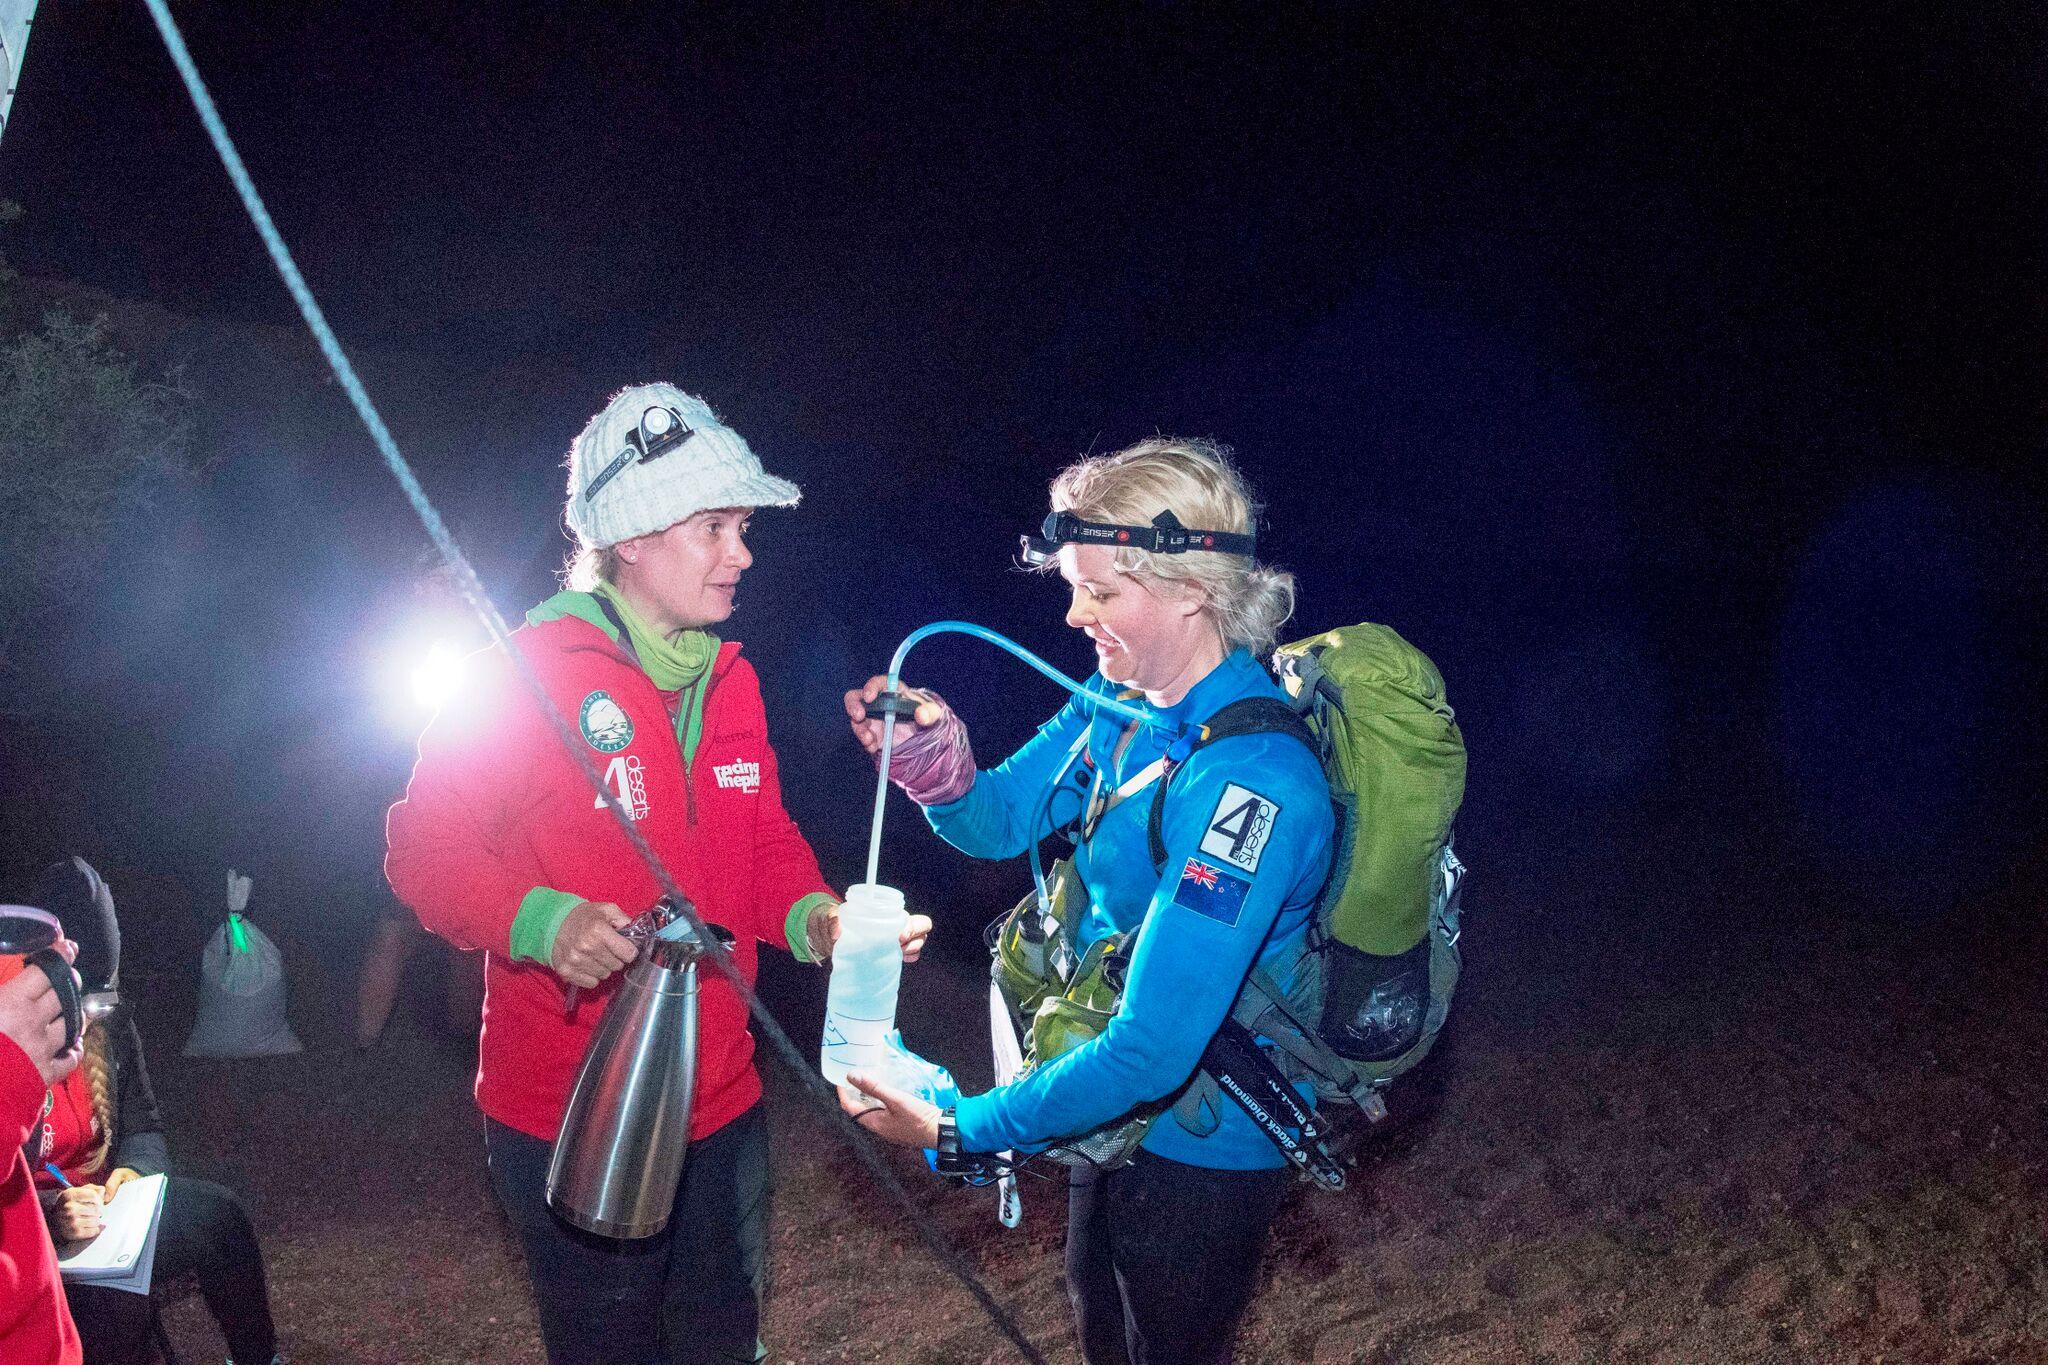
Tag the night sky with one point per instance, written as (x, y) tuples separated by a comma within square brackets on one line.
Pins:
[(1672, 376)]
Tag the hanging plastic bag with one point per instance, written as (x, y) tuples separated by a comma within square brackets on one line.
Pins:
[(241, 988)]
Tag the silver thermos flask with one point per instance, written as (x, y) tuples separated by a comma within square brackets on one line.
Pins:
[(620, 1152)]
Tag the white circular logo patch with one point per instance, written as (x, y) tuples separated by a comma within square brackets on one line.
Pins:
[(605, 723)]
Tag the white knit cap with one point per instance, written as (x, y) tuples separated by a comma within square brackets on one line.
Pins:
[(656, 456)]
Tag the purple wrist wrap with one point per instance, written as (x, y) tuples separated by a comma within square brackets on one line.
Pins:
[(934, 764)]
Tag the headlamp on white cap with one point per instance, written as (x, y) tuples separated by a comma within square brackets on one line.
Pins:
[(661, 430), (656, 456)]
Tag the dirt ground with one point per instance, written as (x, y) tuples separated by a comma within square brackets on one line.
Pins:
[(1740, 1122)]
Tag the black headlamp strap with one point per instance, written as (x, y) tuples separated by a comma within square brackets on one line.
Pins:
[(1165, 536), (1175, 538)]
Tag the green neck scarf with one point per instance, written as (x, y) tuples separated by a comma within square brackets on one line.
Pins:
[(678, 663), (673, 661)]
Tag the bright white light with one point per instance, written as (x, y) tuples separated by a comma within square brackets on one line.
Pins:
[(436, 678)]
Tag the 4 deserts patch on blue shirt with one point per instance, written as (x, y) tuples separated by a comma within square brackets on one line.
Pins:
[(1211, 892), (1239, 827)]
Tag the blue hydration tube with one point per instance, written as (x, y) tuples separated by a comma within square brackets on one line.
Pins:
[(1043, 816), (1095, 699)]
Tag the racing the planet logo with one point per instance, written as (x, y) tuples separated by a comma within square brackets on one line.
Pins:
[(605, 723)]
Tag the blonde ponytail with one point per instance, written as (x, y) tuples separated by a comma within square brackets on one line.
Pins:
[(97, 1065)]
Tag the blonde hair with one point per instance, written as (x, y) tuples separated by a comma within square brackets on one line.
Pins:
[(1194, 479), (98, 1068), (590, 565)]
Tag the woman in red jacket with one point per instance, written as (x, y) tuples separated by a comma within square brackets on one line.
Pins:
[(35, 1323), (501, 845)]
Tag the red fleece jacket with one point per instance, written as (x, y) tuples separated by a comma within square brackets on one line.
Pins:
[(35, 1321), (496, 808)]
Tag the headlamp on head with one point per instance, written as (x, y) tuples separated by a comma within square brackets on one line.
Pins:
[(1165, 536), (661, 430)]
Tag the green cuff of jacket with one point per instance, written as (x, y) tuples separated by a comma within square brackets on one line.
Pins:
[(797, 928), (541, 912)]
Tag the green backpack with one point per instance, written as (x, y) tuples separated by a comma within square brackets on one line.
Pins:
[(1372, 993), (1374, 989)]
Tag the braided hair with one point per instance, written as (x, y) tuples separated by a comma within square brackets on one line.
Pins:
[(97, 1066)]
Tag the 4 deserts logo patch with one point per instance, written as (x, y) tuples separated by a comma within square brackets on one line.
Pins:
[(624, 776), (1239, 827)]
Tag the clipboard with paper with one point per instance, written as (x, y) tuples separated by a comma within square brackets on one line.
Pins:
[(124, 1253)]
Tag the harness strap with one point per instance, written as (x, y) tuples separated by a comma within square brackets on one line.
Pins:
[(1132, 785), (1196, 1109), (1101, 801), (1262, 1007)]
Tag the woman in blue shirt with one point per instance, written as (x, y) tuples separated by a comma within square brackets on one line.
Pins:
[(1162, 1253)]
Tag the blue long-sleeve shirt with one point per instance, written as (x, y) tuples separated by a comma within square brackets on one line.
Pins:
[(1247, 830)]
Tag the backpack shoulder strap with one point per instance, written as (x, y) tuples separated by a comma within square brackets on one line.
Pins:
[(1246, 716)]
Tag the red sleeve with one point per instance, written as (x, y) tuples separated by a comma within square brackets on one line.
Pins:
[(21, 1095), (445, 842), (785, 870), (35, 1323)]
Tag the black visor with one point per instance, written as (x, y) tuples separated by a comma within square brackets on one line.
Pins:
[(1165, 536)]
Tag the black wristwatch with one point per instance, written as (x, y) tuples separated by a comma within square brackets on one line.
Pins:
[(947, 1157)]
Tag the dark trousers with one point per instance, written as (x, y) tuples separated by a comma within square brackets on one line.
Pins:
[(204, 1230), (691, 1295), (1162, 1258)]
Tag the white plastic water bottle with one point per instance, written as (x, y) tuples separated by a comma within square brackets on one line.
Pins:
[(867, 968)]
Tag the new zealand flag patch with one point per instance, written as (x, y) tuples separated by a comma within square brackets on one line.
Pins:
[(1211, 892)]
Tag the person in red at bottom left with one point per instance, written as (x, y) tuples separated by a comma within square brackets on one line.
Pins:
[(35, 1323), (103, 1129)]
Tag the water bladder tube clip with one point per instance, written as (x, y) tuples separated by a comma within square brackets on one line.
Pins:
[(891, 704)]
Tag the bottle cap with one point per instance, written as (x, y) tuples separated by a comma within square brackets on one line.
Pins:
[(872, 900)]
